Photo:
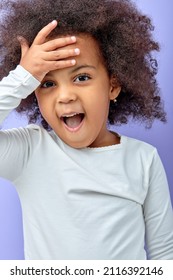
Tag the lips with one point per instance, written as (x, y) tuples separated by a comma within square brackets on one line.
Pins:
[(73, 121)]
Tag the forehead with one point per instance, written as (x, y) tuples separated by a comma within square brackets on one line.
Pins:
[(87, 40), (89, 48)]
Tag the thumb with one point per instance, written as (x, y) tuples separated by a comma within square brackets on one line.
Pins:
[(23, 44)]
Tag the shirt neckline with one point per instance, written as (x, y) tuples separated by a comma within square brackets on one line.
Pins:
[(107, 148), (96, 149)]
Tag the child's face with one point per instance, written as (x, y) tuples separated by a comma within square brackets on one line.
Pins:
[(75, 101)]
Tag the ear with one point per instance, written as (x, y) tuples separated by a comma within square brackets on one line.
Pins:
[(115, 88)]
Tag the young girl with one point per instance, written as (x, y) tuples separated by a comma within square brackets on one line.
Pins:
[(86, 192)]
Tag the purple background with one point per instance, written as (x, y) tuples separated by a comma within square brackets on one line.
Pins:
[(161, 135)]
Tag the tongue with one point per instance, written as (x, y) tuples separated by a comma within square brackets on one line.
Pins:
[(74, 121)]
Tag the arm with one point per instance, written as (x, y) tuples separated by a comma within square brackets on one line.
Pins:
[(17, 85), (36, 61), (14, 143), (42, 57), (158, 214)]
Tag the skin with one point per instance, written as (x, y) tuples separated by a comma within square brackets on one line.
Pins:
[(80, 85), (43, 55)]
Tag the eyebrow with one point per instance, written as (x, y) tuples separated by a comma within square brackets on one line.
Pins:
[(76, 69), (82, 66)]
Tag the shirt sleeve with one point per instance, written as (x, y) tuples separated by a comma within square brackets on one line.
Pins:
[(158, 214), (15, 144), (16, 86)]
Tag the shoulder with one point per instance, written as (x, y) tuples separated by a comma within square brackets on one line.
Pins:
[(137, 144), (30, 134), (34, 131), (137, 148), (143, 159)]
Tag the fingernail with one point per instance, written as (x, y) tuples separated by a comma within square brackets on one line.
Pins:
[(77, 51), (54, 22), (19, 38), (73, 38), (73, 61)]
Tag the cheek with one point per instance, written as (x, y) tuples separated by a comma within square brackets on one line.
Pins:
[(99, 111), (103, 100), (43, 100)]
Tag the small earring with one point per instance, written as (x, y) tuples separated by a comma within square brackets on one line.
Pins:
[(115, 100)]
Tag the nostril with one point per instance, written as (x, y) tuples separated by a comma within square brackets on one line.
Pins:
[(65, 96), (65, 100)]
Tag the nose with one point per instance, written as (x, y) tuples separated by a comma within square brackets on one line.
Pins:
[(65, 95)]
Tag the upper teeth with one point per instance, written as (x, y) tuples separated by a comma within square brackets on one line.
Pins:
[(70, 115)]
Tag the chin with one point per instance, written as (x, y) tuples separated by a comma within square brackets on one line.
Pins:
[(77, 145)]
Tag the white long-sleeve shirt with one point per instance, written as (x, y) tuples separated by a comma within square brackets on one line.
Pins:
[(90, 203)]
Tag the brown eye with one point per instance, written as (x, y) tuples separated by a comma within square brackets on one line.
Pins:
[(47, 84), (82, 78)]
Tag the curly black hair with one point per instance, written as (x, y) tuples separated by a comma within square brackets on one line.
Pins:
[(124, 36)]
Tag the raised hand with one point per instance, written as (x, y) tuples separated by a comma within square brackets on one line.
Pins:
[(44, 56)]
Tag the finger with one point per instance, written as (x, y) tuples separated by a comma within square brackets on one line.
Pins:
[(60, 64), (59, 43), (44, 32), (61, 54), (48, 66), (23, 44)]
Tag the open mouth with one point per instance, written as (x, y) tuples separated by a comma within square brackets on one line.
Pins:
[(73, 121)]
